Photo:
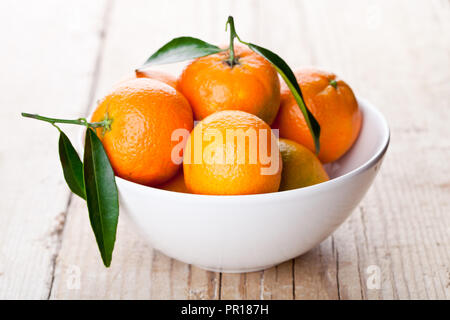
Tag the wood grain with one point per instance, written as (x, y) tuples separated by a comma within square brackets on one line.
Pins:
[(47, 58), (396, 54), (403, 221)]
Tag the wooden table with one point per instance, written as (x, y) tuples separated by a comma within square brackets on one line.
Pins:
[(58, 57)]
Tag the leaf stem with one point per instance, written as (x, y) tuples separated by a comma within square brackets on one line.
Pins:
[(106, 123)]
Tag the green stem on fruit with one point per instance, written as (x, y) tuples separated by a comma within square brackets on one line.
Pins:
[(106, 123), (333, 83), (232, 61)]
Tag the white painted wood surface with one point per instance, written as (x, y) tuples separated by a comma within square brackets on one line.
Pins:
[(47, 61), (59, 57)]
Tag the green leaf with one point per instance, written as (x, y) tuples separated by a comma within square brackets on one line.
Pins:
[(289, 77), (101, 195), (72, 166), (181, 49)]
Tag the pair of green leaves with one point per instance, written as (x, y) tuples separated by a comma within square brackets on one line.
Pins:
[(93, 180), (185, 48)]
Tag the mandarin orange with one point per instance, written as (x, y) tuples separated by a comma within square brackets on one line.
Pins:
[(332, 103), (252, 85), (301, 168), (143, 114)]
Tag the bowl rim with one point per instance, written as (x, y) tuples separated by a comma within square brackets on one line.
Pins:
[(378, 154)]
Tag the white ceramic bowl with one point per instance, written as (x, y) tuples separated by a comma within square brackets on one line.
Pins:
[(253, 232)]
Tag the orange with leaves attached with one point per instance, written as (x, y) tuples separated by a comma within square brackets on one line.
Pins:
[(143, 114), (213, 84)]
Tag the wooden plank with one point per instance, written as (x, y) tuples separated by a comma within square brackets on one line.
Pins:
[(402, 225), (272, 284), (48, 57), (79, 251), (315, 273), (172, 279), (80, 273)]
